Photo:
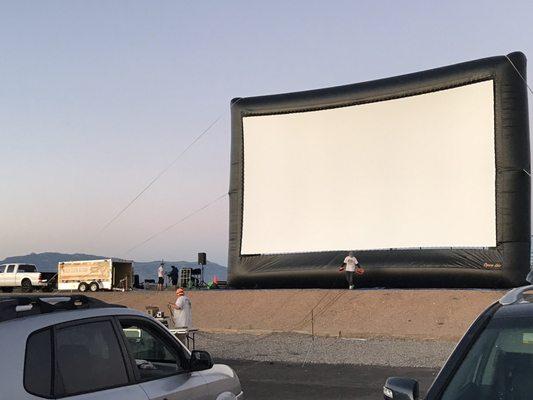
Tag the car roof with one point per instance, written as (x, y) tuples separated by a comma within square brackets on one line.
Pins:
[(517, 303), (30, 313), (35, 322), (522, 309)]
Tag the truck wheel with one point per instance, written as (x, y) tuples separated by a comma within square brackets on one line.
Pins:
[(26, 286), (93, 287), (82, 287)]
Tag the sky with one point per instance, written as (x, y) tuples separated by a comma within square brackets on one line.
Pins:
[(98, 97)]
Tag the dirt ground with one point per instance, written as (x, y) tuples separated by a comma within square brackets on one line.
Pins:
[(403, 314)]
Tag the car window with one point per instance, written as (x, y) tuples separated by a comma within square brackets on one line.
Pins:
[(154, 356), (26, 268), (10, 268), (38, 364), (88, 358), (499, 365), (2, 268)]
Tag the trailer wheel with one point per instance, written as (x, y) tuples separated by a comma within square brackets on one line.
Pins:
[(93, 287), (82, 287), (26, 286)]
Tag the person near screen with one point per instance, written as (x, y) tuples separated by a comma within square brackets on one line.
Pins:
[(349, 265)]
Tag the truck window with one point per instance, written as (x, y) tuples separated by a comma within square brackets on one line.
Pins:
[(10, 268), (26, 268), (88, 359), (38, 364), (2, 268)]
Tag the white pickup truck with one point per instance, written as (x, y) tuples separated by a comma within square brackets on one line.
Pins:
[(24, 276)]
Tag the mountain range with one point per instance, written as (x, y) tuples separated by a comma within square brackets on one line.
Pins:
[(47, 262)]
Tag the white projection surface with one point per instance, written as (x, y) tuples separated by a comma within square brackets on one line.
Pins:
[(412, 172)]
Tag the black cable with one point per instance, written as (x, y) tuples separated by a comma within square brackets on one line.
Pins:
[(176, 223), (164, 170)]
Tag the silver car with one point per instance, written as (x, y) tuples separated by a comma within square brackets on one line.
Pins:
[(82, 348)]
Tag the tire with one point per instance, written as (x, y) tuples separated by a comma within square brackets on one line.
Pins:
[(93, 287), (26, 286), (83, 287), (7, 289)]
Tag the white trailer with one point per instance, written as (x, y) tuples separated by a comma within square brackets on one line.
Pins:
[(93, 275)]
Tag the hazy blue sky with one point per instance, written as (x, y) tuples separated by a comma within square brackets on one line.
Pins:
[(96, 97)]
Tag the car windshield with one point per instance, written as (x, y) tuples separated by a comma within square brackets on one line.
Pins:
[(500, 364)]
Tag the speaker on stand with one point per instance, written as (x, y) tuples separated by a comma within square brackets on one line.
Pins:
[(202, 260)]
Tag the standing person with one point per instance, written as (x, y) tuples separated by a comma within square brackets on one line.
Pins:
[(173, 275), (350, 263), (182, 313), (160, 277)]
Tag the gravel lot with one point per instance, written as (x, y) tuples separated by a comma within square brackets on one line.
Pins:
[(299, 348)]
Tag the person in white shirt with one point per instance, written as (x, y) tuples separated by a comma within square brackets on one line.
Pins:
[(160, 277), (349, 265), (182, 312)]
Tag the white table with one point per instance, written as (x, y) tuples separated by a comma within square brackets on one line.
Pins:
[(190, 335)]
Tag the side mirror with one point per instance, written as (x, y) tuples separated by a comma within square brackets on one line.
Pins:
[(200, 361), (400, 389)]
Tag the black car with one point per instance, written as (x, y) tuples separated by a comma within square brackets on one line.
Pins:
[(493, 360)]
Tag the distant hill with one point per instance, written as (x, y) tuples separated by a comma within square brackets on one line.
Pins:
[(47, 262)]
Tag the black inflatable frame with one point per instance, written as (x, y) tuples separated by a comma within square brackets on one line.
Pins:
[(505, 265)]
